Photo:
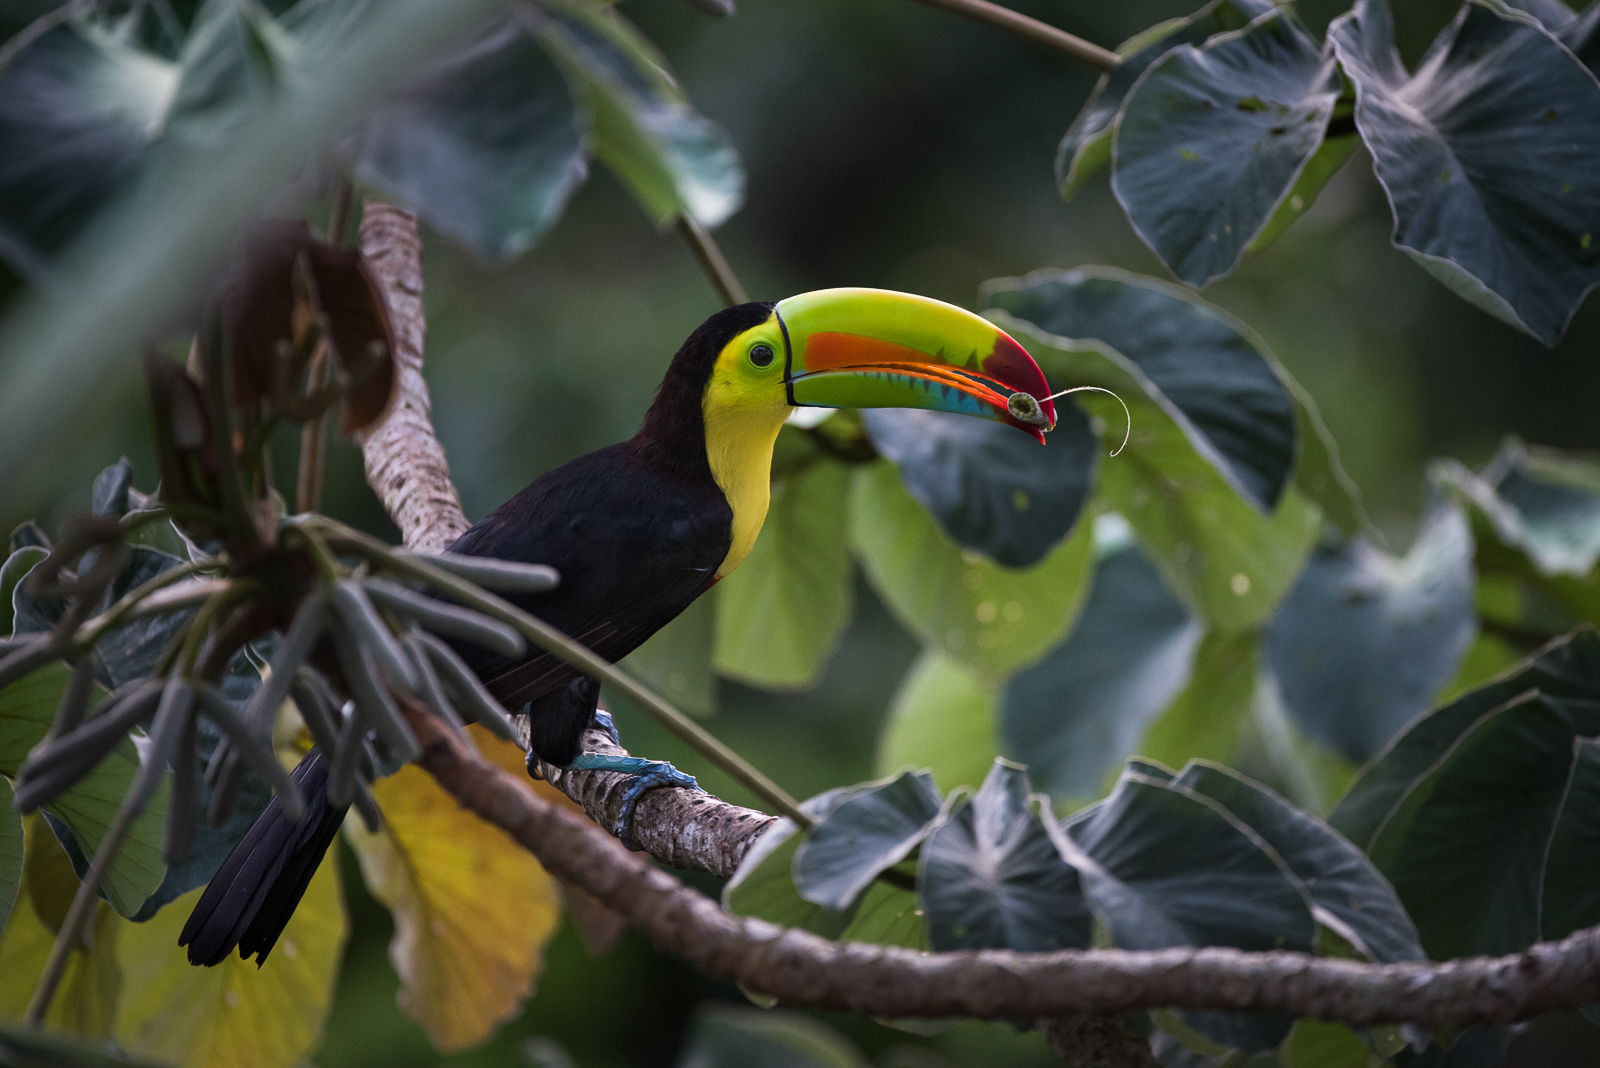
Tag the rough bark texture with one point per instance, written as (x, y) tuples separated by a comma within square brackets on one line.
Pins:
[(803, 969), (406, 465)]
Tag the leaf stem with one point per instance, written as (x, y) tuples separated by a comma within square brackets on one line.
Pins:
[(113, 617), (711, 260), (1034, 30), (572, 653)]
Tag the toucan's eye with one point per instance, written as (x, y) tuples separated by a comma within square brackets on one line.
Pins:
[(762, 355)]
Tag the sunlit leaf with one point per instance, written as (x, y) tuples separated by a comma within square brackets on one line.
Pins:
[(1168, 866), (1566, 669), (27, 708), (1087, 145), (486, 146), (889, 914), (79, 110), (1324, 1044), (1490, 155), (942, 718), (992, 878), (1247, 416), (1076, 715), (473, 910), (1338, 145), (236, 1013), (870, 831), (672, 159), (12, 850), (987, 616), (729, 1036), (676, 660), (1465, 848), (783, 611), (1344, 886), (1213, 139), (991, 488), (1364, 640)]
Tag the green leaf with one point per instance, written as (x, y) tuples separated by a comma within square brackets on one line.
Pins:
[(1538, 502), (27, 1048), (890, 915), (1329, 158), (235, 59), (729, 1036), (1074, 716), (1569, 668), (1324, 1044), (1490, 156), (1465, 848), (1208, 718), (27, 708), (763, 886), (12, 572), (991, 488), (1213, 139), (989, 617), (1570, 895), (783, 611), (487, 145), (676, 660), (79, 110), (1364, 640), (1087, 145), (942, 718), (1167, 866), (1346, 890), (12, 850), (110, 493), (992, 878), (869, 832), (673, 160)]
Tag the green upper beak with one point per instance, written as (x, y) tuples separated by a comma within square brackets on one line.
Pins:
[(875, 348)]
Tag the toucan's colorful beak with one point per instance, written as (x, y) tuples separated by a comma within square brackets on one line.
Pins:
[(874, 348)]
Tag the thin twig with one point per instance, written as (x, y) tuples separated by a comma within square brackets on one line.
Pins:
[(1034, 30), (313, 441), (711, 260)]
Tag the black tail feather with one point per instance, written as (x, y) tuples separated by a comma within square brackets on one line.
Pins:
[(250, 899)]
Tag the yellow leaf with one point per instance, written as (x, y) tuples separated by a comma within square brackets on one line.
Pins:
[(85, 1001), (233, 1015), (472, 909)]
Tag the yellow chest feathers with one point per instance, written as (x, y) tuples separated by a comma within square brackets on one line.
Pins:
[(741, 428)]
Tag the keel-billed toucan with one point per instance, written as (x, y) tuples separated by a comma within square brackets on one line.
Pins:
[(639, 529)]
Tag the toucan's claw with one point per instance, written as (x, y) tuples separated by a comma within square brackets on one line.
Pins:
[(602, 721), (648, 775)]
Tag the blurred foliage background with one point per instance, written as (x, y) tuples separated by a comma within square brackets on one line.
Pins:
[(891, 145)]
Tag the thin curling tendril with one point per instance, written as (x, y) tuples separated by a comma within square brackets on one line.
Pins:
[(1026, 407)]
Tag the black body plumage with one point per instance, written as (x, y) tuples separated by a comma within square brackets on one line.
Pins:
[(637, 531)]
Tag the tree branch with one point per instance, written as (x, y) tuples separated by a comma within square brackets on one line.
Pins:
[(804, 969)]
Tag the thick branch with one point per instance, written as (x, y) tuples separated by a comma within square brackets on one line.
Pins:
[(406, 465), (803, 969)]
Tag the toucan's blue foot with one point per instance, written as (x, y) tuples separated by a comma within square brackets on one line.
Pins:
[(602, 721), (648, 775)]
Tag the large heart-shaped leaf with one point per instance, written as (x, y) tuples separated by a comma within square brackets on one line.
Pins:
[(1212, 714), (85, 1002), (992, 618), (869, 832), (991, 488), (486, 146), (27, 708), (11, 851), (1213, 139), (1087, 145), (473, 911), (992, 877), (1074, 716), (1163, 865), (1465, 848), (764, 886), (783, 611), (1490, 156), (12, 572), (1346, 889), (1570, 895), (673, 160), (1569, 668), (942, 718), (235, 59), (79, 110), (1224, 558), (1364, 641)]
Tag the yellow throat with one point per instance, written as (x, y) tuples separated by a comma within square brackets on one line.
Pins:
[(742, 417)]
